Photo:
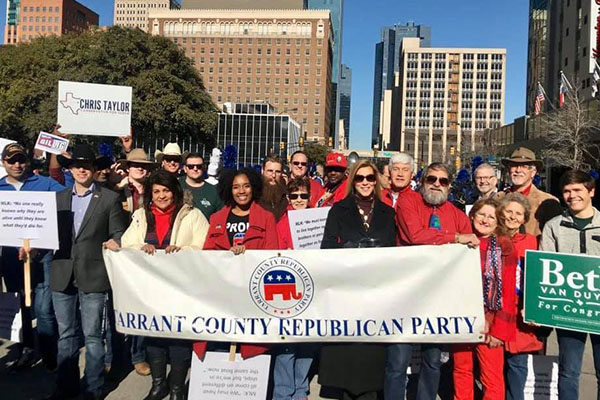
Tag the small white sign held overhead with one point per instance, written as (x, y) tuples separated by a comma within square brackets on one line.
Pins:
[(93, 109), (307, 227), (217, 378), (51, 143)]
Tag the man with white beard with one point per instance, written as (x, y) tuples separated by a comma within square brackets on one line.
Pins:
[(426, 219), (522, 168)]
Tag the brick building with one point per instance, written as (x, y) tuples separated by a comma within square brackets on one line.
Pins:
[(28, 19), (281, 57), (134, 13)]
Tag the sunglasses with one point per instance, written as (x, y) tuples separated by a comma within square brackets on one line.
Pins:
[(195, 166), (370, 178), (171, 159), (16, 159), (433, 179), (297, 163), (135, 165), (82, 165), (303, 196)]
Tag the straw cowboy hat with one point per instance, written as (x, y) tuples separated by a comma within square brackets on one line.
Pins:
[(523, 155)]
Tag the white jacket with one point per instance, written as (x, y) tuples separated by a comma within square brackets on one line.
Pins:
[(189, 229)]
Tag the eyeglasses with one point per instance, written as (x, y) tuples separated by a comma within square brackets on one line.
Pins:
[(303, 196), (433, 179), (522, 166), (484, 178), (360, 178), (195, 166), (297, 163)]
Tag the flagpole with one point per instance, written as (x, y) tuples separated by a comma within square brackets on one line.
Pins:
[(546, 96)]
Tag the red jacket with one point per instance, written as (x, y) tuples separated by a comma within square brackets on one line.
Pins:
[(283, 231), (338, 194), (526, 340), (412, 220), (503, 322), (261, 235), (387, 198)]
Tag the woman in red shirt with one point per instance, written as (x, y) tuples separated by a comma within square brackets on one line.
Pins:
[(498, 265), (513, 213), (239, 226)]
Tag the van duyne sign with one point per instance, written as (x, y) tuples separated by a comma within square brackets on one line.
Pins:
[(94, 109), (563, 290)]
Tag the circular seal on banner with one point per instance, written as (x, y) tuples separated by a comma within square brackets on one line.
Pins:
[(281, 287)]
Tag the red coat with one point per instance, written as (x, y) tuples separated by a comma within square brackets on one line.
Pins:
[(526, 340), (503, 322), (338, 194), (261, 235), (406, 192), (283, 231), (412, 220)]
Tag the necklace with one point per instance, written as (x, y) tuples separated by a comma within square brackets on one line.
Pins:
[(365, 215)]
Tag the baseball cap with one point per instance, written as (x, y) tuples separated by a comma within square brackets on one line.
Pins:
[(13, 149), (336, 160)]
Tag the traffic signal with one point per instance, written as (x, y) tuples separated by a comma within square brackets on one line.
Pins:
[(330, 142), (451, 150), (457, 164), (281, 145), (301, 141)]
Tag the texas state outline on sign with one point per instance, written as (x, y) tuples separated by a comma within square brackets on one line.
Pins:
[(71, 102)]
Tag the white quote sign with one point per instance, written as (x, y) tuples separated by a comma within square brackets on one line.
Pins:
[(29, 215), (93, 109), (307, 227), (217, 378), (51, 143)]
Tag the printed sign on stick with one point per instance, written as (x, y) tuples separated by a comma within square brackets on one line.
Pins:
[(92, 109)]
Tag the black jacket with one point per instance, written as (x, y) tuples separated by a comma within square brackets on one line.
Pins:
[(344, 227), (79, 257)]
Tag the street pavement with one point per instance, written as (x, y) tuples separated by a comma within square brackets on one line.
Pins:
[(36, 382)]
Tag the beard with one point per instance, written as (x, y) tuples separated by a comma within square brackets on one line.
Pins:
[(273, 197), (433, 197)]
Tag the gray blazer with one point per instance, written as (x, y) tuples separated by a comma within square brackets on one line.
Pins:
[(79, 257)]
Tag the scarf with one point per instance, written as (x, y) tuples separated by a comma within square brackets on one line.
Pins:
[(492, 277)]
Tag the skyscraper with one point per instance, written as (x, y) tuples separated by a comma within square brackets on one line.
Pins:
[(387, 62), (336, 7), (345, 89)]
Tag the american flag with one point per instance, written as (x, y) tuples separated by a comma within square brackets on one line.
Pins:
[(540, 98)]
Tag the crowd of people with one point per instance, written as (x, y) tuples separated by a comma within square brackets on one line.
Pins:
[(166, 204)]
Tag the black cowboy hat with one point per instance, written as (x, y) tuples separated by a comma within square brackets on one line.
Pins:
[(84, 152)]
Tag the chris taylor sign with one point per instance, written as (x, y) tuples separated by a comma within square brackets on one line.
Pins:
[(94, 109)]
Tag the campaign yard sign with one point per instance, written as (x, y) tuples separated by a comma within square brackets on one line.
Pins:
[(93, 109), (563, 290)]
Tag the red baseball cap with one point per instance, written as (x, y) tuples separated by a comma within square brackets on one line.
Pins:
[(336, 160)]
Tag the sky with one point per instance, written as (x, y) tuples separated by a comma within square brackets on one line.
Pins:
[(457, 23)]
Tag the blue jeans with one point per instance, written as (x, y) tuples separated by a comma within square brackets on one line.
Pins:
[(92, 308), (290, 373), (571, 345), (44, 311), (516, 375), (398, 359)]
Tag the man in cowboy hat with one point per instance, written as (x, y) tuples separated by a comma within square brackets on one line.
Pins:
[(138, 169), (89, 218), (19, 177), (170, 158), (522, 167), (335, 171)]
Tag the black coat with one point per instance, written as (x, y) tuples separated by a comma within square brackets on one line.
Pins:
[(344, 226), (79, 257), (356, 368)]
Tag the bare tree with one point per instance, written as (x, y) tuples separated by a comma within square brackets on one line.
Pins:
[(571, 132)]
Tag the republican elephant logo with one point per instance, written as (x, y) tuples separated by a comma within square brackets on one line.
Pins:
[(281, 286), (280, 282)]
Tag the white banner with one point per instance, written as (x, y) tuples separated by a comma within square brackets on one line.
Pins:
[(307, 227), (29, 215), (93, 109), (403, 294)]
